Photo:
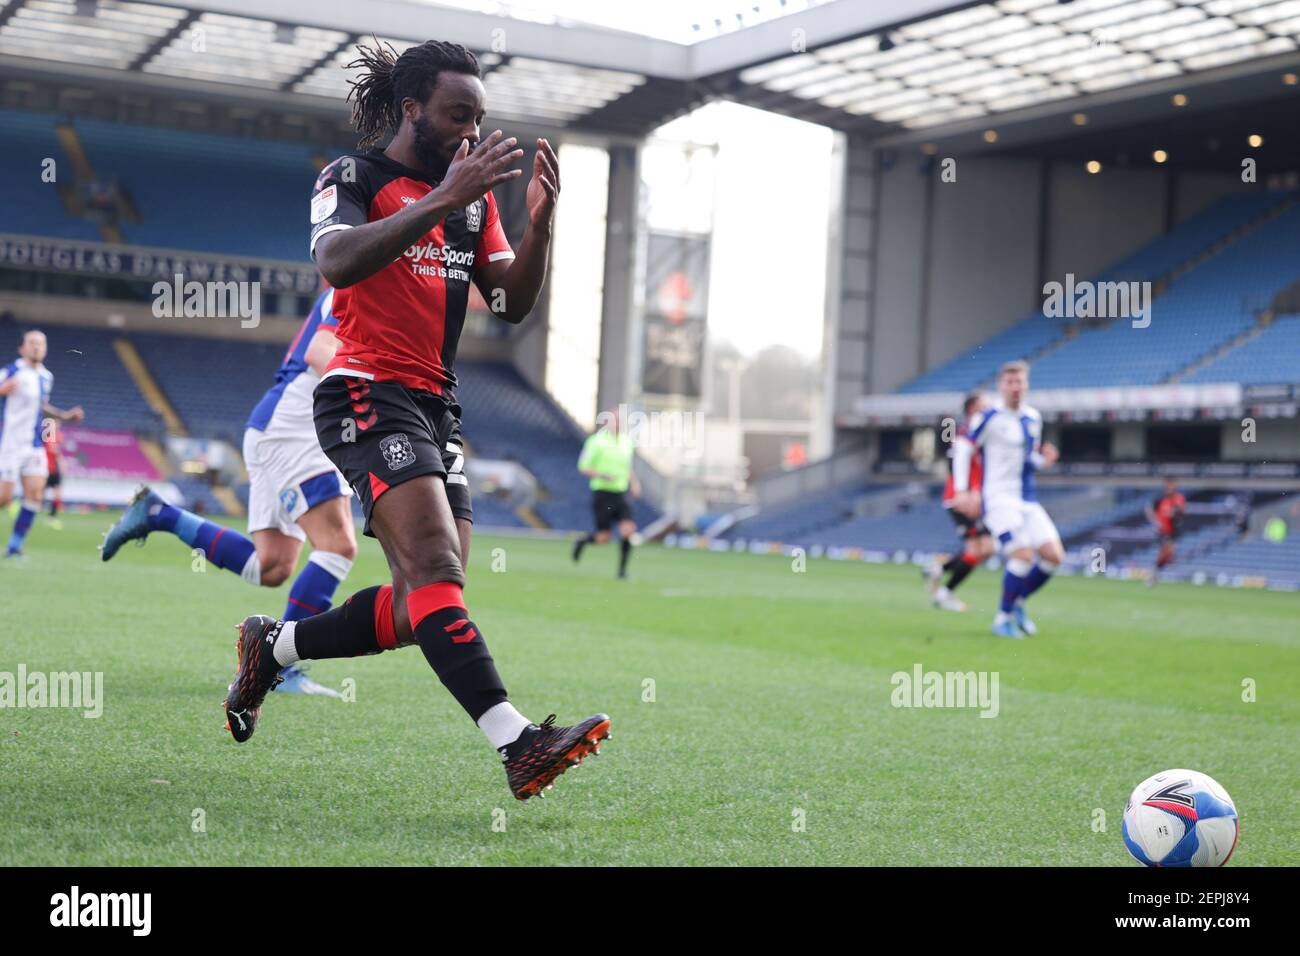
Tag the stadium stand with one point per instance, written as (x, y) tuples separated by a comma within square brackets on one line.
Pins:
[(212, 383), (41, 213), (1277, 562), (198, 495), (87, 372), (803, 520), (1203, 308), (837, 518), (1201, 311), (1268, 358), (204, 192)]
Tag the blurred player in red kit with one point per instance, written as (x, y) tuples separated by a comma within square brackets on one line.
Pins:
[(1166, 513), (53, 439), (977, 544)]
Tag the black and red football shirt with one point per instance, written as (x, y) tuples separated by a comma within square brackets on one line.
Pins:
[(976, 481), (1169, 510), (402, 324)]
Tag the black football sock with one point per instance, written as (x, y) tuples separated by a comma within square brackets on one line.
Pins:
[(625, 550), (582, 543), (454, 647), (959, 573), (952, 564), (348, 630)]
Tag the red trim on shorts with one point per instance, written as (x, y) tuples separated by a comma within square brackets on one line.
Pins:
[(433, 598), (385, 630), (377, 487)]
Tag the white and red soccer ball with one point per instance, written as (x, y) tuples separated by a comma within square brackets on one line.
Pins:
[(1180, 818)]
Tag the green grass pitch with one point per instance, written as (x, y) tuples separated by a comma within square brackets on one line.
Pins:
[(770, 738)]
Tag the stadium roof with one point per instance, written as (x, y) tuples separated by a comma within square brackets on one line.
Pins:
[(881, 67)]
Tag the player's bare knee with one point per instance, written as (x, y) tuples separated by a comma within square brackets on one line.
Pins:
[(1052, 552), (438, 563), (275, 573), (340, 543)]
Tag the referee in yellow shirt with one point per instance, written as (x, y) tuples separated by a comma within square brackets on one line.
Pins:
[(606, 461)]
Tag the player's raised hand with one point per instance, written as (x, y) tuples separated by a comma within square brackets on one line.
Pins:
[(544, 187), (471, 174)]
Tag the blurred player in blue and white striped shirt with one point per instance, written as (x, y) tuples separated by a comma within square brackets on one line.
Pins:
[(25, 386), (1010, 434), (295, 494)]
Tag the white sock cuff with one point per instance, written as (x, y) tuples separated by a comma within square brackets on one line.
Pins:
[(1047, 567), (252, 570), (334, 564), (31, 505), (502, 724), (286, 649), (1018, 566)]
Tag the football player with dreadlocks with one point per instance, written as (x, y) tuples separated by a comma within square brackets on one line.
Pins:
[(400, 233)]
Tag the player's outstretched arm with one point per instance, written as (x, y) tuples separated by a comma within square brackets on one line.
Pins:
[(75, 414), (347, 256), (520, 281)]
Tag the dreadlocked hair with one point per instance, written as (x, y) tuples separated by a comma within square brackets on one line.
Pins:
[(376, 96)]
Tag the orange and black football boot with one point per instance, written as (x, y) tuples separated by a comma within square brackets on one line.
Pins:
[(544, 752), (258, 673)]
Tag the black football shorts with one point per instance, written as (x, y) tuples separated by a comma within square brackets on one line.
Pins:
[(608, 508), (380, 434), (967, 527)]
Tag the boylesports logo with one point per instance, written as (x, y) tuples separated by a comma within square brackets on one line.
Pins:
[(397, 451), (445, 254)]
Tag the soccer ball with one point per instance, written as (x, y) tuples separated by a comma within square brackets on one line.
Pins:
[(1180, 818)]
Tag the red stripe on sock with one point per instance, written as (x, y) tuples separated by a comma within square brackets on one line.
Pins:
[(432, 598), (294, 600), (385, 630), (456, 625), (212, 545)]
